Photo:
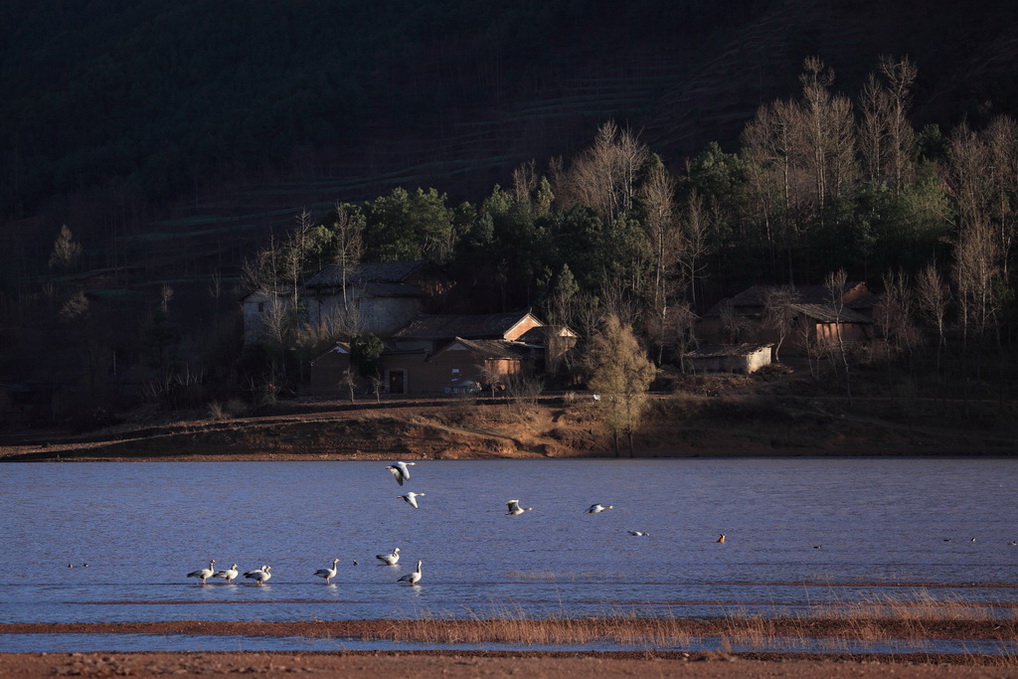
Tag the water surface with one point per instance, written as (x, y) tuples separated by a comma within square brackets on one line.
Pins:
[(801, 533)]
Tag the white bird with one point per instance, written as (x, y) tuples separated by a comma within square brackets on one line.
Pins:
[(390, 559), (639, 533), (260, 575), (400, 472), (328, 573), (228, 574), (411, 498), (594, 509), (515, 509), (412, 578), (204, 574)]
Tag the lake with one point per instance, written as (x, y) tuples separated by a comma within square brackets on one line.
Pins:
[(800, 533)]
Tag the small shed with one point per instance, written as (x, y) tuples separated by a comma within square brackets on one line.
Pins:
[(736, 358), (328, 370)]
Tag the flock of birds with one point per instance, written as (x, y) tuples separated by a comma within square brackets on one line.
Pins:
[(400, 472)]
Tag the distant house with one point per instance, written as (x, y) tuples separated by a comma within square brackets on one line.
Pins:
[(431, 331), (373, 297), (376, 297), (460, 366), (738, 358), (448, 353), (328, 370), (260, 312), (813, 316)]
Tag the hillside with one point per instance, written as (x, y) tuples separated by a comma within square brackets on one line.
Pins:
[(173, 140)]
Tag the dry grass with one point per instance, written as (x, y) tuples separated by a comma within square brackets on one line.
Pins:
[(910, 624)]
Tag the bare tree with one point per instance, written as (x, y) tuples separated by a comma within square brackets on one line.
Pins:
[(66, 251), (661, 232), (349, 380), (872, 138), (694, 242), (900, 75), (1002, 150), (933, 296), (827, 133), (604, 177), (779, 313), (524, 181), (895, 317), (349, 239), (771, 141), (835, 283), (620, 374)]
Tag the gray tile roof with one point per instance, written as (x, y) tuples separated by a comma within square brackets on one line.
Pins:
[(825, 313), (473, 326), (365, 273)]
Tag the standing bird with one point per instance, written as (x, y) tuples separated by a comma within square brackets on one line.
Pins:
[(515, 509), (228, 574), (328, 573), (412, 578), (594, 509), (204, 574), (390, 559), (721, 538), (260, 575), (411, 498), (400, 472)]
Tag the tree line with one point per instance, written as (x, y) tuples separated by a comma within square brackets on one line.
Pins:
[(822, 182)]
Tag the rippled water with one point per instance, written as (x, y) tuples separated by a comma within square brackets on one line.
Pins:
[(885, 528)]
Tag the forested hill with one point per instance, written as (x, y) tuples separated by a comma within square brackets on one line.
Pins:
[(117, 114)]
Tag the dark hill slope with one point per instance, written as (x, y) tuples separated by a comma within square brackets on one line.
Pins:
[(161, 130)]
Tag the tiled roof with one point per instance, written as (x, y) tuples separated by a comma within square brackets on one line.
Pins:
[(539, 335), (365, 272), (756, 296), (825, 313), (726, 350), (490, 349), (447, 326)]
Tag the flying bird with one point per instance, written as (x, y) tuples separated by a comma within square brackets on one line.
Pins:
[(594, 509), (228, 574), (400, 472), (390, 559), (260, 575), (328, 573), (204, 574), (639, 533), (412, 578), (411, 498), (515, 509)]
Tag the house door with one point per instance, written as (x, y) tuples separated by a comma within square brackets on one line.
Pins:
[(397, 382)]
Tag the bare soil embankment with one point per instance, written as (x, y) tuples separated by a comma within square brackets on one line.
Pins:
[(760, 415)]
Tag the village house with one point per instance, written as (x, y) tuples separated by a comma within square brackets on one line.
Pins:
[(735, 358), (813, 314), (368, 298), (452, 353)]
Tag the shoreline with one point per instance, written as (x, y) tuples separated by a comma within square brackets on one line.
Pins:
[(670, 636), (468, 665)]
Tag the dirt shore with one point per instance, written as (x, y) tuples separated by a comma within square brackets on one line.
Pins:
[(552, 665), (371, 665), (729, 418)]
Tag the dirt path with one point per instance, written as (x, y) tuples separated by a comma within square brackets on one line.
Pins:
[(372, 665)]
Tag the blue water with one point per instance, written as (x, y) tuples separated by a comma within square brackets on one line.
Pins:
[(887, 529)]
